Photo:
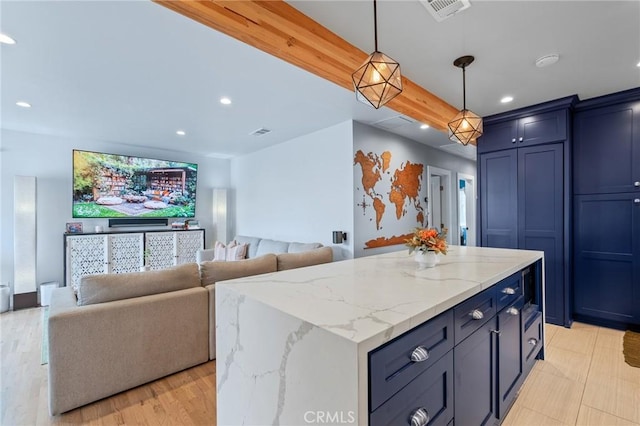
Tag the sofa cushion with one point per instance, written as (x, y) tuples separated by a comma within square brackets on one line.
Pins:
[(252, 242), (301, 247), (212, 272), (307, 258), (109, 287), (271, 246)]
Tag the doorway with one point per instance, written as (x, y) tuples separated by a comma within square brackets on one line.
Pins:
[(438, 195), (466, 229)]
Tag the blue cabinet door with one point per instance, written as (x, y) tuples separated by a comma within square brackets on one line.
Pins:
[(543, 128), (541, 219), (497, 136), (607, 257), (606, 150), (510, 359), (499, 199), (474, 369)]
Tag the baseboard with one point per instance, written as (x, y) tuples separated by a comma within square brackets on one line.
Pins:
[(25, 300), (147, 221)]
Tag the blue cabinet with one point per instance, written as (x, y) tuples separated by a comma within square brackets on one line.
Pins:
[(607, 257), (474, 365), (504, 132), (606, 151), (606, 185), (524, 192), (465, 365)]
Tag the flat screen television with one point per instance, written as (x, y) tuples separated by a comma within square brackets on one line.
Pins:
[(113, 186)]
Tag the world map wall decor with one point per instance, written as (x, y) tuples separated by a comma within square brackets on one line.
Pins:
[(391, 193)]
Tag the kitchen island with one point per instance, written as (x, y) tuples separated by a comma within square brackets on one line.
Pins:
[(376, 339)]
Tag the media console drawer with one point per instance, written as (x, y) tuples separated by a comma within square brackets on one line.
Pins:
[(394, 365)]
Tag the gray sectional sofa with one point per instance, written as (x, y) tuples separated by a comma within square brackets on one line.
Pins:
[(123, 330)]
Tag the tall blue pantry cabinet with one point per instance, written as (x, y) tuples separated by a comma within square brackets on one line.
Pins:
[(524, 174), (606, 188)]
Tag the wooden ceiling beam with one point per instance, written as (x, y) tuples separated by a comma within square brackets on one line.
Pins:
[(279, 29)]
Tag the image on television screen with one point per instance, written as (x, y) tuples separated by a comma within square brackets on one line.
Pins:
[(112, 186)]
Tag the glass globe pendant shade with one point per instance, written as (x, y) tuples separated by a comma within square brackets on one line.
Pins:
[(465, 127), (378, 80)]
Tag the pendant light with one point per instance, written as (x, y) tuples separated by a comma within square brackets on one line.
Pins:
[(466, 126), (378, 79)]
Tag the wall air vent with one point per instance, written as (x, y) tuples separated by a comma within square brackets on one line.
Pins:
[(443, 9), (261, 131)]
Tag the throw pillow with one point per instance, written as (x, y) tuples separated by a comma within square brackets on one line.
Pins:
[(236, 251), (220, 252)]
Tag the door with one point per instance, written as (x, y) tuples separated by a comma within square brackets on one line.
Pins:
[(161, 247), (474, 372), (509, 355), (606, 150), (540, 218), (436, 202), (86, 255), (187, 244), (607, 257), (499, 199), (125, 252), (467, 209)]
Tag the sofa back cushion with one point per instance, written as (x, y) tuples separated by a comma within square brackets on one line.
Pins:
[(212, 272), (271, 246), (302, 247), (252, 242), (102, 288), (307, 258)]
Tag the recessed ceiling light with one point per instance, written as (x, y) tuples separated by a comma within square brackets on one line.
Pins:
[(6, 39), (506, 99), (424, 126), (546, 60), (23, 104), (180, 132), (638, 65), (225, 101)]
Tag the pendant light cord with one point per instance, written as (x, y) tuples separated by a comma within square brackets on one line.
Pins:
[(375, 26), (464, 89)]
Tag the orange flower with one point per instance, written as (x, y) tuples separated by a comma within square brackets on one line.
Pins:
[(428, 239)]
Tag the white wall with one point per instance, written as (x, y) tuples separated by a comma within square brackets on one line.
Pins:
[(300, 190), (49, 159), (371, 139)]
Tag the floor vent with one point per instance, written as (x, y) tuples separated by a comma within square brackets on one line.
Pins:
[(443, 9)]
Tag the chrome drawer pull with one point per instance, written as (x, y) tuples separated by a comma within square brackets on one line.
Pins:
[(476, 314), (636, 184), (419, 354), (512, 311), (508, 290), (420, 417), (533, 341), (637, 201), (498, 332)]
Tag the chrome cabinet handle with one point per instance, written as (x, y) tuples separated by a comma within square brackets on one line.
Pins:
[(533, 341), (419, 354), (476, 314), (636, 184), (508, 290), (498, 332), (637, 201), (512, 311), (420, 417), (513, 140), (521, 138)]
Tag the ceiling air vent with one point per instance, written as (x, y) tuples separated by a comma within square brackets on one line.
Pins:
[(393, 122), (443, 9), (261, 131)]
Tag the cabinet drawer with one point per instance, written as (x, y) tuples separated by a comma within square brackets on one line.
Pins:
[(473, 313), (431, 391), (391, 367), (532, 341), (509, 289)]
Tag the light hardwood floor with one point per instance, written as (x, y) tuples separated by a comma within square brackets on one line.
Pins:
[(583, 381)]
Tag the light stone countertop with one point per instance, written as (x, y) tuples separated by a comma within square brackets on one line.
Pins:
[(373, 299)]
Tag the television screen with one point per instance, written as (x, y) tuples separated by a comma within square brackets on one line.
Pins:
[(111, 186)]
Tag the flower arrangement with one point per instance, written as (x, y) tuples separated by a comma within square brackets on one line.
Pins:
[(428, 239)]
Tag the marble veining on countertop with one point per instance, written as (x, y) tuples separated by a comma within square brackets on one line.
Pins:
[(373, 299)]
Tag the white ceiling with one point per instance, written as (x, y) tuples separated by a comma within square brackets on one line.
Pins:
[(134, 72)]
